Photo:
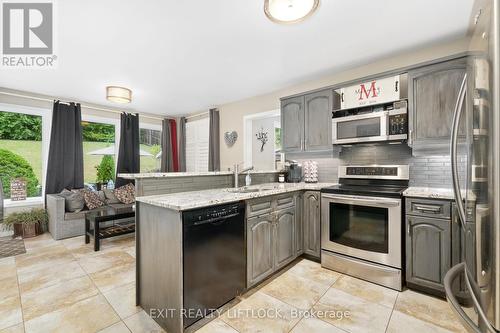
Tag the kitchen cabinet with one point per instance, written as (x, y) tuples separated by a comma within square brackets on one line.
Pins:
[(306, 122), (299, 224), (271, 236), (312, 223), (432, 94), (260, 248), (428, 251), (285, 237)]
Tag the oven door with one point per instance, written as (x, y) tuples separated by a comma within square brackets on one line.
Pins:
[(360, 128), (368, 228)]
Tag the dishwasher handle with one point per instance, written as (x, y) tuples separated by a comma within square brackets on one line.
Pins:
[(215, 219)]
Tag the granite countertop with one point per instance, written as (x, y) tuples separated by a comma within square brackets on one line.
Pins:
[(196, 199), (429, 192), (186, 174)]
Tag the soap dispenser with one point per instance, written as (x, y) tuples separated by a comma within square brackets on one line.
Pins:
[(248, 179)]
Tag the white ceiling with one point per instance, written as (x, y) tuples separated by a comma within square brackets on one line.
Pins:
[(185, 56)]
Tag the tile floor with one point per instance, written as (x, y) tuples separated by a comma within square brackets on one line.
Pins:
[(64, 286)]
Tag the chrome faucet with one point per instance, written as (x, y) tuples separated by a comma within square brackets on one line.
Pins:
[(237, 173)]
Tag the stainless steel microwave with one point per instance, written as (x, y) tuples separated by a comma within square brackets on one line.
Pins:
[(371, 127)]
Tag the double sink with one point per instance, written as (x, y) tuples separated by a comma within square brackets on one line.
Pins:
[(248, 189)]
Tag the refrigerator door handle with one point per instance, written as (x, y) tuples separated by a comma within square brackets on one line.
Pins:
[(453, 151), (450, 276)]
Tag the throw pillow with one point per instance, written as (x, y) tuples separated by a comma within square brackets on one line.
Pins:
[(111, 197), (92, 199), (73, 201), (126, 193)]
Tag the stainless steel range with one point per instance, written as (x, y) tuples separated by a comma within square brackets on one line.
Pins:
[(362, 219)]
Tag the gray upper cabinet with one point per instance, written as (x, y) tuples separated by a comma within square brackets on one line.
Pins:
[(318, 120), (428, 251), (432, 93), (306, 122), (285, 237), (292, 124), (312, 223), (260, 248)]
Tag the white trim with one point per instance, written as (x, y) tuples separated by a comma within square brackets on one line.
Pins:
[(34, 201), (149, 126), (46, 129), (247, 132)]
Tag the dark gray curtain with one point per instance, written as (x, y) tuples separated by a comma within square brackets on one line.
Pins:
[(167, 159), (65, 164), (182, 145), (213, 141), (128, 153)]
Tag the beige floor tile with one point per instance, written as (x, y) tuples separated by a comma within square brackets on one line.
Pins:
[(295, 290), (352, 313), (401, 322), (10, 312), (114, 277), (261, 313), (366, 290), (142, 323), (49, 256), (131, 251), (79, 249), (19, 328), (55, 297), (122, 299), (47, 276), (429, 309), (217, 326), (313, 325), (119, 327), (313, 270), (39, 241), (105, 260), (7, 267), (89, 315), (8, 287)]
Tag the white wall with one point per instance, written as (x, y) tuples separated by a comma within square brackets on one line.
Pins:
[(263, 160)]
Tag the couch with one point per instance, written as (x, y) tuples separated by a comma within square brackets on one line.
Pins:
[(64, 224)]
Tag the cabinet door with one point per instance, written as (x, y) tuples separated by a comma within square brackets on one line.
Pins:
[(292, 124), (432, 94), (428, 251), (318, 120), (260, 248), (312, 223), (299, 224), (284, 237)]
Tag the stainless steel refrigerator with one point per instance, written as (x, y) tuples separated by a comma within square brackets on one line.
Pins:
[(478, 196)]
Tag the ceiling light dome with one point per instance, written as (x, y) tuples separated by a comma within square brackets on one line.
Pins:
[(118, 94), (289, 11)]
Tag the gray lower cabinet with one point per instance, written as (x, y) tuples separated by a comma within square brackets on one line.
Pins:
[(312, 223), (260, 248), (306, 122), (299, 224), (285, 237), (432, 95)]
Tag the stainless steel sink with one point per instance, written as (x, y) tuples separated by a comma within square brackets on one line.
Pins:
[(251, 189)]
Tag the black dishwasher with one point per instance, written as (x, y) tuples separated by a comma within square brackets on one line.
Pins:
[(214, 258)]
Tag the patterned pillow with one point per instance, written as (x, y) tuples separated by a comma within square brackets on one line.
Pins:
[(92, 199), (126, 193)]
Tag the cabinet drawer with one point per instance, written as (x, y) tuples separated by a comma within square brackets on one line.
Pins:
[(259, 206), (284, 201), (428, 207)]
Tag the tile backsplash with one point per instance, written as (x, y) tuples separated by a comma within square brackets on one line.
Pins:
[(426, 171)]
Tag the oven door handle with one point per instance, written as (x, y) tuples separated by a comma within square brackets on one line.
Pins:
[(355, 200)]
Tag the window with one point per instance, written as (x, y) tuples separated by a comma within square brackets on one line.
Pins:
[(22, 155), (197, 145), (98, 147), (150, 141)]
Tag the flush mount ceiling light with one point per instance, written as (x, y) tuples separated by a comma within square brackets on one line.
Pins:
[(289, 11), (118, 94)]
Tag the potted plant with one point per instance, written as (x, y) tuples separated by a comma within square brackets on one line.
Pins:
[(105, 171), (28, 224)]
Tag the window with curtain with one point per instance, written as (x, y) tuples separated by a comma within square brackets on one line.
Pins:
[(197, 145), (98, 149), (150, 141), (21, 151)]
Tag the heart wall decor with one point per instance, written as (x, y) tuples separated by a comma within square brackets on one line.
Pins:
[(230, 137)]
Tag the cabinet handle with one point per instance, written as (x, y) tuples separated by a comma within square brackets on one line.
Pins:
[(410, 138), (342, 97), (432, 209), (408, 230), (396, 86)]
